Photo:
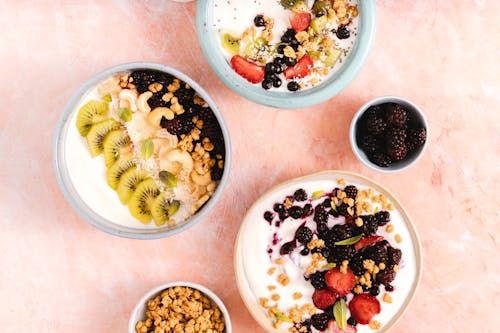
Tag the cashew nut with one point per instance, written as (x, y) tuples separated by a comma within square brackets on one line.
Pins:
[(162, 145), (202, 180), (170, 161), (109, 87), (142, 101), (130, 96), (199, 203), (154, 117)]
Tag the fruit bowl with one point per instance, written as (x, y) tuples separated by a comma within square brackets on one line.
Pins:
[(138, 159), (210, 21), (277, 269), (139, 312)]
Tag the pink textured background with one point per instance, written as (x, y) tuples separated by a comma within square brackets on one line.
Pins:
[(59, 274)]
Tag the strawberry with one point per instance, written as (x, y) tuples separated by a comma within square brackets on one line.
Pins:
[(248, 70), (300, 69), (341, 283), (366, 241), (323, 298), (334, 328), (363, 307), (300, 21)]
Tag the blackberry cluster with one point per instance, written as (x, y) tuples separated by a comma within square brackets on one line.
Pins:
[(383, 217), (386, 276), (369, 226), (320, 215), (387, 134), (320, 321), (351, 191), (177, 126), (339, 253), (143, 78), (318, 280), (356, 263), (300, 195), (342, 231), (376, 252), (303, 234), (394, 255)]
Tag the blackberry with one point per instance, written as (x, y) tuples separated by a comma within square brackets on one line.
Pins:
[(283, 215), (288, 247), (399, 153), (352, 321), (342, 209), (205, 114), (383, 217), (307, 210), (370, 224), (320, 321), (300, 195), (342, 231), (369, 144), (376, 253), (268, 216), (325, 252), (157, 101), (380, 159), (216, 173), (143, 78), (394, 255), (339, 253), (327, 203), (177, 126), (351, 191), (320, 215), (295, 212), (323, 230), (212, 130), (375, 125), (343, 32), (303, 234), (356, 263), (184, 95), (318, 280), (386, 276), (417, 137), (395, 137), (396, 115)]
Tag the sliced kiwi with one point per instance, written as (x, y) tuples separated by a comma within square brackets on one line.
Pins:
[(142, 200), (98, 132), (128, 183), (255, 48), (230, 44), (90, 113), (115, 172), (159, 209), (319, 23), (332, 55), (114, 143)]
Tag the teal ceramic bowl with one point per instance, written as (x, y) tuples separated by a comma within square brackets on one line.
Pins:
[(210, 44)]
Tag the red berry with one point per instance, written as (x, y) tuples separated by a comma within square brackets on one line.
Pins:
[(323, 298), (248, 70), (300, 21), (367, 240), (341, 283), (300, 69), (363, 307)]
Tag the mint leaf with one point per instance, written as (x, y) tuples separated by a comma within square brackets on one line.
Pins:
[(349, 241)]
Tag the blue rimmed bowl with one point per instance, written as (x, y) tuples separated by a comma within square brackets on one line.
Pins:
[(210, 43), (87, 191)]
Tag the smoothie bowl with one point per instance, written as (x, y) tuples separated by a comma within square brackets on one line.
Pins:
[(142, 151), (329, 252), (286, 53)]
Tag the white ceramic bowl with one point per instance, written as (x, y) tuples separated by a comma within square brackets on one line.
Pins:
[(139, 311), (210, 44), (412, 158), (83, 181), (252, 259)]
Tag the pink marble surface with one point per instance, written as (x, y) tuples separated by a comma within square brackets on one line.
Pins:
[(59, 274)]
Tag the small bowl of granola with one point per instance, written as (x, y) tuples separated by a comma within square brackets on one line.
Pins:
[(142, 151), (289, 53), (201, 311)]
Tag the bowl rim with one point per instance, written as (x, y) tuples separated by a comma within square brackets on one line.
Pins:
[(156, 290), (70, 192), (411, 228), (282, 100), (360, 155)]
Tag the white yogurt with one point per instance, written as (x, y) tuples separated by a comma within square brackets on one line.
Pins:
[(256, 236), (235, 16)]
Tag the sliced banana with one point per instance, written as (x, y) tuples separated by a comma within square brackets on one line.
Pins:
[(202, 180), (129, 97), (142, 102), (154, 117)]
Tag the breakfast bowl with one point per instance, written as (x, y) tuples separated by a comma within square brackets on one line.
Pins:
[(389, 134), (285, 56), (142, 151), (326, 251), (200, 308)]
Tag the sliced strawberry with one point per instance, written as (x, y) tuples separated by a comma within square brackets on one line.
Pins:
[(248, 70), (341, 283), (300, 21), (363, 307), (323, 298), (334, 328), (300, 69), (367, 241)]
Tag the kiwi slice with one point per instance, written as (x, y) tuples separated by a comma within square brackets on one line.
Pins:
[(230, 44), (142, 200), (115, 172), (91, 112), (114, 143), (159, 209), (97, 133), (332, 55), (128, 183)]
